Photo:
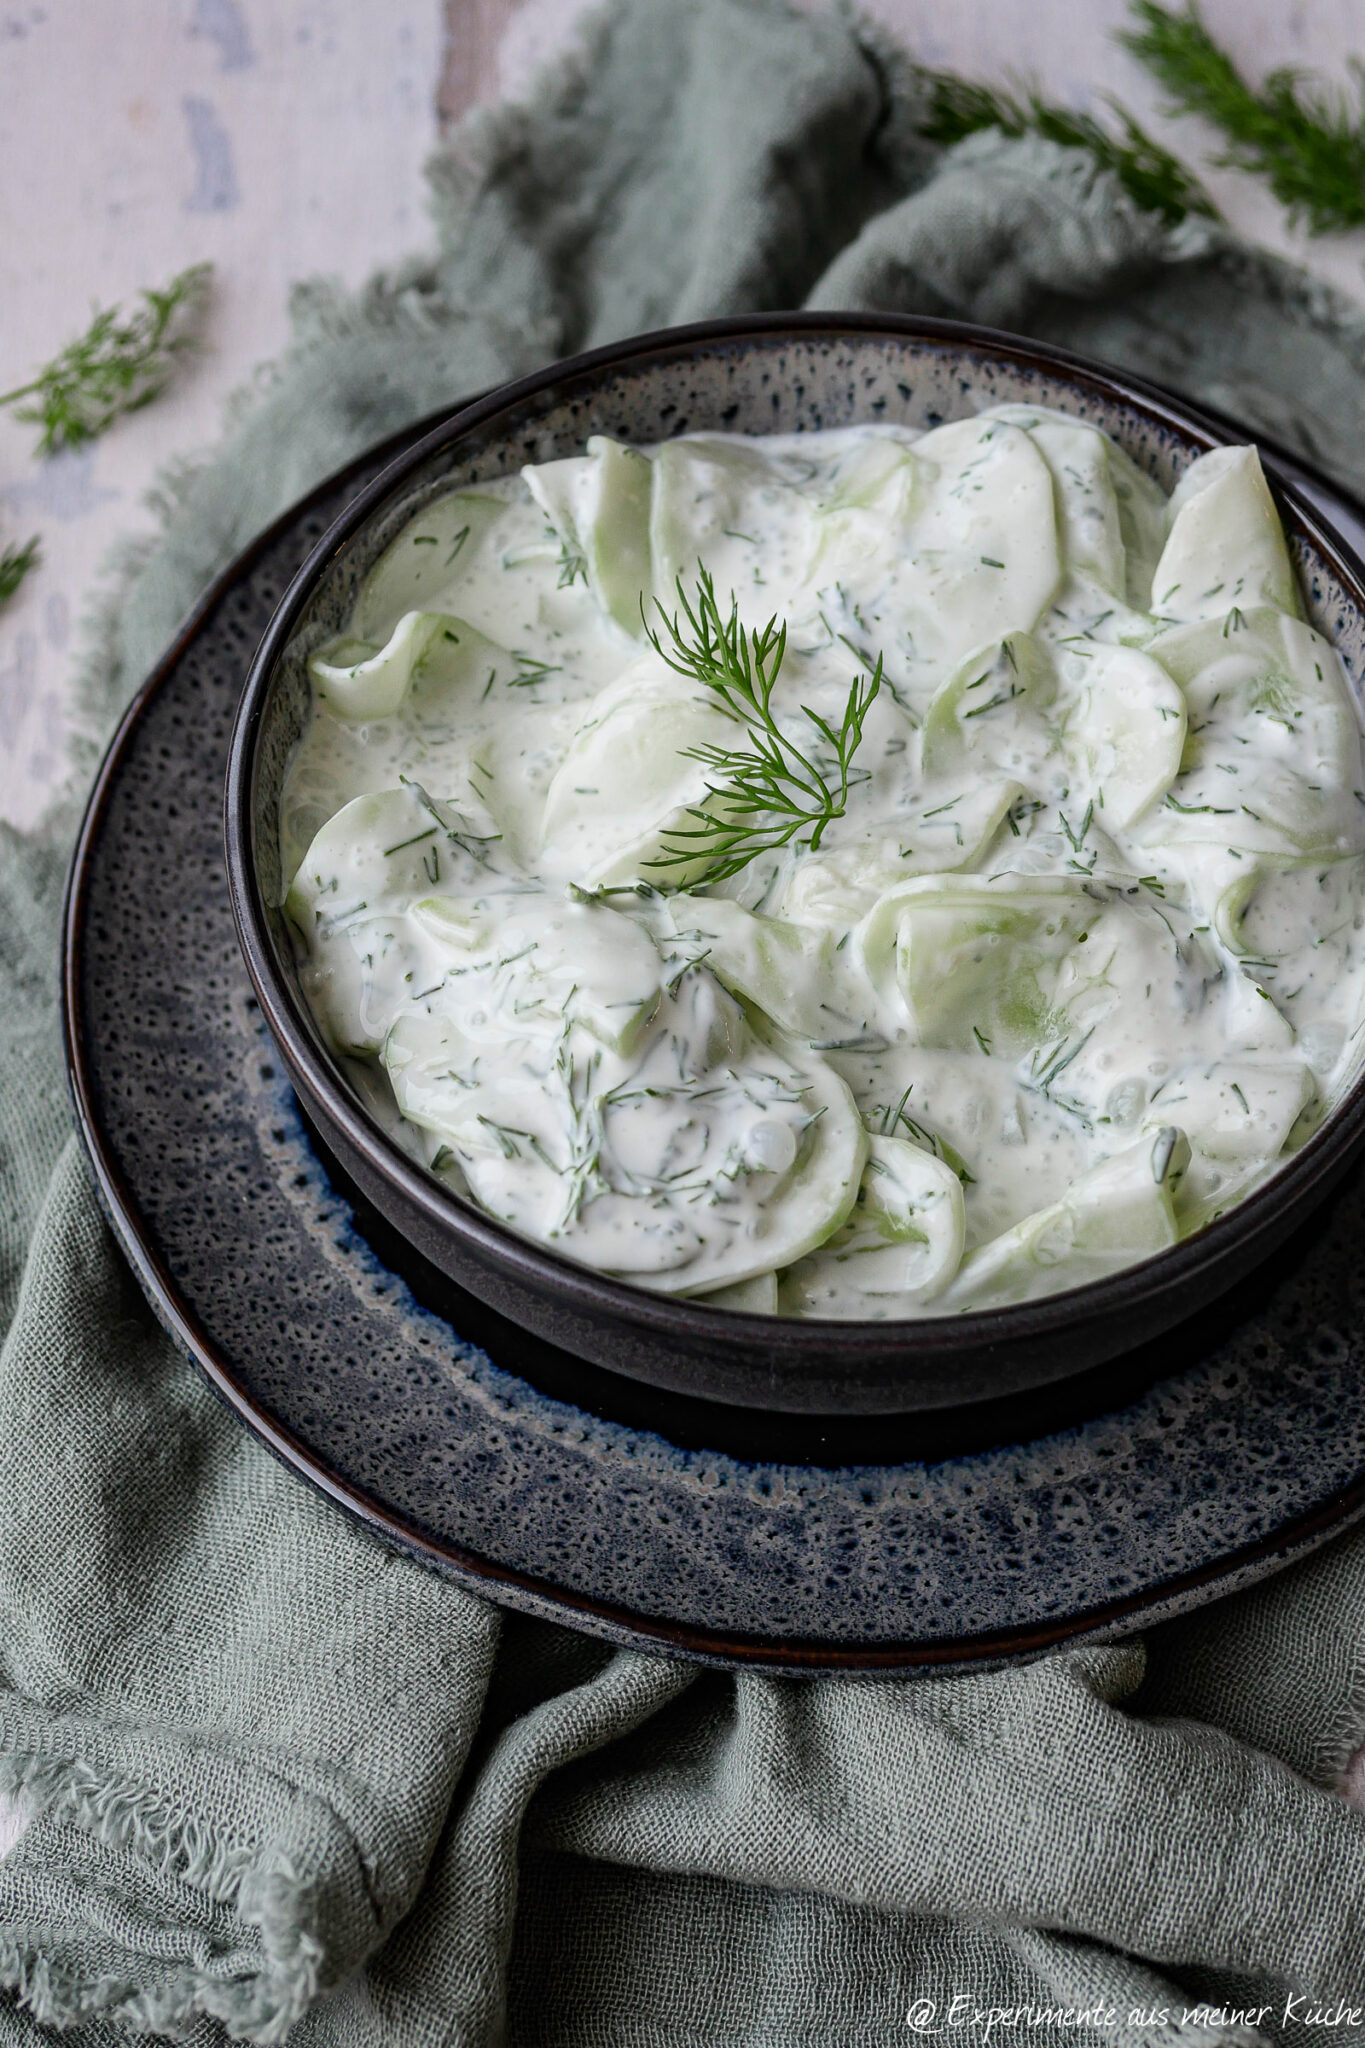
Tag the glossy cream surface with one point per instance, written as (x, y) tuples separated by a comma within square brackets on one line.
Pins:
[(1077, 960)]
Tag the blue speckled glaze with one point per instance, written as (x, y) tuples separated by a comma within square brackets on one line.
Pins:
[(254, 1260)]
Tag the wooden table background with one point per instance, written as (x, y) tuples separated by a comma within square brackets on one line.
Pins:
[(137, 136)]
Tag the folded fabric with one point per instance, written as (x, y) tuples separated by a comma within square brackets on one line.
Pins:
[(280, 1783)]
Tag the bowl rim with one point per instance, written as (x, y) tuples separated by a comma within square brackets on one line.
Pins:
[(1315, 1165)]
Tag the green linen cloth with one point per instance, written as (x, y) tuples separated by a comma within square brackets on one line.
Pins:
[(283, 1784)]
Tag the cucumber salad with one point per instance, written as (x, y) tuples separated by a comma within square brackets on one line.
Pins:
[(861, 873)]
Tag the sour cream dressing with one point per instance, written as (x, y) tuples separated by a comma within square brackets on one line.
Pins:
[(1081, 957)]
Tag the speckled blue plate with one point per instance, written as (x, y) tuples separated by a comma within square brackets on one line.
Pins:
[(948, 1541)]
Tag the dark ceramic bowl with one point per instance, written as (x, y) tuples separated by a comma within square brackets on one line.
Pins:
[(761, 374)]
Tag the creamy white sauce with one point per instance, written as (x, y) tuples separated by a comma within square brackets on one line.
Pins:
[(1080, 956)]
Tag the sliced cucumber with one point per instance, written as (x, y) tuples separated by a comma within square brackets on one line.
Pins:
[(1113, 1215), (1225, 544), (900, 1247), (599, 505)]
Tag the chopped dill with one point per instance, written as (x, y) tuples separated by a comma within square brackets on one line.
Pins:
[(1077, 839), (573, 566), (531, 671), (923, 1135), (1192, 810), (415, 840)]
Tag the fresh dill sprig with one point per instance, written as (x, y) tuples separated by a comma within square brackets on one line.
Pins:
[(15, 564), (1150, 175), (121, 363), (1308, 145), (769, 790)]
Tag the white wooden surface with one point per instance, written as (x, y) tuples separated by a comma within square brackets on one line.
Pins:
[(284, 137), (137, 136)]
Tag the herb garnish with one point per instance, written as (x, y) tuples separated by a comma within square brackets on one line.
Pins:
[(121, 363), (15, 564), (1148, 173), (1309, 147), (769, 790)]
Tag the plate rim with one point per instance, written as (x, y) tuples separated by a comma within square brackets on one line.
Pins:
[(980, 1650)]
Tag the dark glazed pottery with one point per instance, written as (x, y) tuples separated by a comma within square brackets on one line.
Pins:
[(946, 1540), (779, 373)]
